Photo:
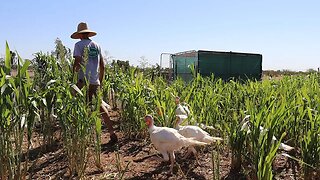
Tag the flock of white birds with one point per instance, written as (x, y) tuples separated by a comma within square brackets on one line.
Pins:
[(168, 140)]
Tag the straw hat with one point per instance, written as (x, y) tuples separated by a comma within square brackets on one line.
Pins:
[(82, 28)]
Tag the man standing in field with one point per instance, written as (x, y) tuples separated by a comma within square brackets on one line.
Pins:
[(87, 53)]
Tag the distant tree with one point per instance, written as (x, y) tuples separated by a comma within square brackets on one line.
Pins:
[(310, 70), (107, 57), (14, 59), (287, 72), (1, 61), (124, 65), (143, 62)]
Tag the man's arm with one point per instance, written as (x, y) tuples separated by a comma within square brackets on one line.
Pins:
[(101, 69), (76, 64)]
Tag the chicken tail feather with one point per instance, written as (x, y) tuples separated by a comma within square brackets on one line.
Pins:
[(191, 141), (285, 147), (210, 139)]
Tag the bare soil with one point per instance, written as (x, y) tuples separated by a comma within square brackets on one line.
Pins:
[(138, 155)]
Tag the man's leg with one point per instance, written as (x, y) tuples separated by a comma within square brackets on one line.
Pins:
[(105, 115), (108, 122)]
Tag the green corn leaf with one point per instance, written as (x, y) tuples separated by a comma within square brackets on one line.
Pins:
[(24, 68), (298, 160), (44, 101), (51, 82), (98, 125), (75, 87), (3, 88), (3, 80), (34, 103), (309, 114), (7, 62)]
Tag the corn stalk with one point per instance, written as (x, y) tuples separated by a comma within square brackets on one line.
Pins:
[(17, 115)]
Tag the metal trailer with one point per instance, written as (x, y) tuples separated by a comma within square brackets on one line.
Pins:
[(224, 65)]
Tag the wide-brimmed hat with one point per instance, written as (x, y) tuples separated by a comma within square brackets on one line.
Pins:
[(83, 28)]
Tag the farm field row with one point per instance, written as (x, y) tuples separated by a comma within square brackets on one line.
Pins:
[(253, 118)]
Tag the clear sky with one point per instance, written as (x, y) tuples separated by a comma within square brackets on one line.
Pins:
[(285, 32)]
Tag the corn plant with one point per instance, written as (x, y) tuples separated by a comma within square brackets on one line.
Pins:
[(233, 103), (163, 102), (120, 169), (135, 103), (17, 114), (80, 121), (310, 145), (310, 141), (48, 70), (287, 109), (261, 143)]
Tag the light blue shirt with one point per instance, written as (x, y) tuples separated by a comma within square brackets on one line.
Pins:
[(91, 64)]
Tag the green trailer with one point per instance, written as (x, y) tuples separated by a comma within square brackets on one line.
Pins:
[(225, 65)]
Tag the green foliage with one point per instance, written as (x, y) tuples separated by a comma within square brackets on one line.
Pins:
[(17, 112), (79, 121), (7, 61), (287, 109)]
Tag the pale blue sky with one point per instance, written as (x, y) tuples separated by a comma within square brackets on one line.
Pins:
[(286, 33)]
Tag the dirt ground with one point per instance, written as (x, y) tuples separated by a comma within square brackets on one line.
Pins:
[(138, 156)]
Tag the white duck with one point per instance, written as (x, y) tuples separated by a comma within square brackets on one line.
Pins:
[(246, 127), (183, 111), (194, 132), (167, 140)]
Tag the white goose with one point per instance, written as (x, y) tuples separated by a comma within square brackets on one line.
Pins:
[(183, 111), (167, 140), (246, 127)]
